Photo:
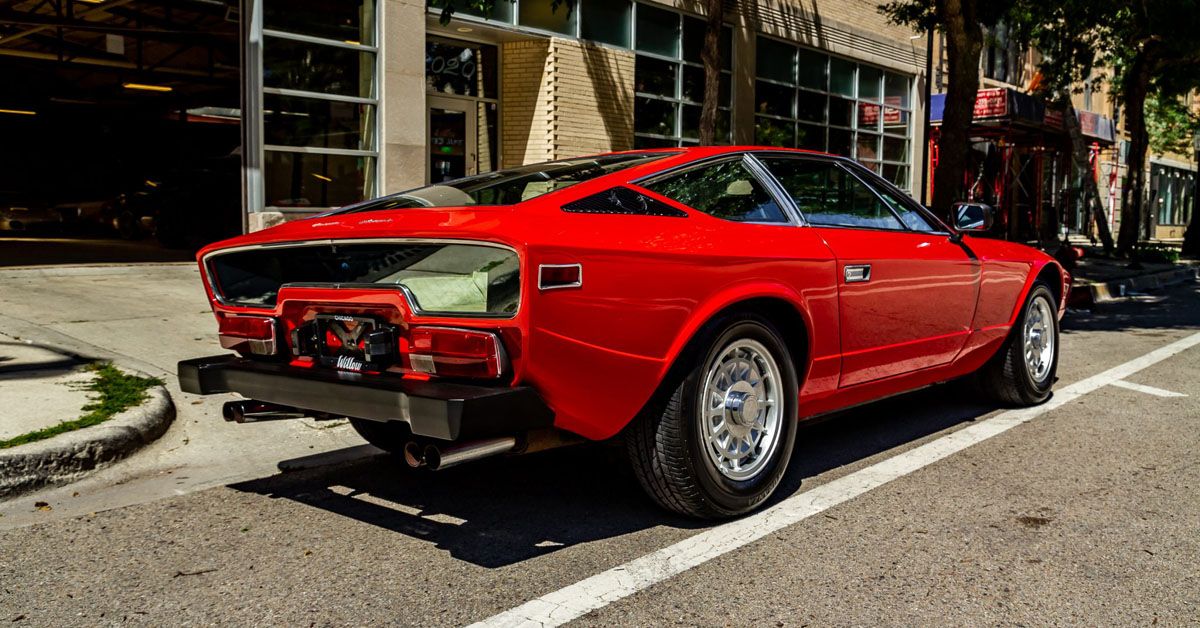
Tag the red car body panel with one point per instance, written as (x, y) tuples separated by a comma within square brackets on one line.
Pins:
[(934, 310)]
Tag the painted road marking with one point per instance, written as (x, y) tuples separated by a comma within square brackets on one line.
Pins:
[(602, 589), (1149, 390)]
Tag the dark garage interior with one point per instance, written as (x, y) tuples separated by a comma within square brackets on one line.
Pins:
[(120, 127)]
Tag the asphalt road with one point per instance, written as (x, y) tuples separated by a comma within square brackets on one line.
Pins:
[(1087, 514)]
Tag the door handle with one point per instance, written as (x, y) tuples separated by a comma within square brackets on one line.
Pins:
[(858, 273)]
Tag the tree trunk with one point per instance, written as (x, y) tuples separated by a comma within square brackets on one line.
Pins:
[(711, 56), (1137, 83), (964, 42), (1091, 193)]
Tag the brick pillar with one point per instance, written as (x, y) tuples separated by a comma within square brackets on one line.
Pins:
[(563, 98)]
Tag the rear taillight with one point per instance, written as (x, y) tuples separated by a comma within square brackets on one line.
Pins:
[(248, 334), (453, 352)]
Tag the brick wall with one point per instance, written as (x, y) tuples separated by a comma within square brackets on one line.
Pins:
[(563, 98)]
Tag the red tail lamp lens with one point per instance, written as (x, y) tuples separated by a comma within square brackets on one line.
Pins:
[(452, 352), (248, 334)]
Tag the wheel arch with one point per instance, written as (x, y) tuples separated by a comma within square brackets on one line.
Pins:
[(784, 311)]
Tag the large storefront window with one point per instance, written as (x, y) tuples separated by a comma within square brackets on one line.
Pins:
[(1173, 189), (319, 103), (669, 79), (807, 99)]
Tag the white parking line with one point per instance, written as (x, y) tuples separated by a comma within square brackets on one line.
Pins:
[(602, 589), (1149, 390)]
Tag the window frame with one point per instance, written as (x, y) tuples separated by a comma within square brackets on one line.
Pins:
[(782, 199), (859, 172), (679, 100), (880, 134)]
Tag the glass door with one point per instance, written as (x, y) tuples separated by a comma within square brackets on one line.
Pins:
[(453, 139)]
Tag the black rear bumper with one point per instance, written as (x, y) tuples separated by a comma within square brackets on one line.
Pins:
[(442, 410)]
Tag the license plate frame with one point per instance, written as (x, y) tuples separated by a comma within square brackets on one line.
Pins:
[(350, 354)]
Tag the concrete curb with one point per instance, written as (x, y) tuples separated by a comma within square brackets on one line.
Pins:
[(1109, 291), (68, 457)]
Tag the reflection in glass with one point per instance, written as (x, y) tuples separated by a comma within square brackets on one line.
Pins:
[(466, 69), (350, 21), (319, 68), (693, 42), (693, 85), (502, 10), (868, 116), (774, 99), (895, 149), (868, 147), (771, 132), (545, 16), (657, 31), (776, 60), (898, 175), (810, 106), (841, 76), (895, 90), (895, 121), (289, 121), (840, 142), (655, 76), (605, 21), (869, 83), (810, 137), (306, 180), (654, 116), (812, 69), (841, 111)]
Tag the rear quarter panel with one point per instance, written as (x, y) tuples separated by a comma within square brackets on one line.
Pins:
[(598, 353)]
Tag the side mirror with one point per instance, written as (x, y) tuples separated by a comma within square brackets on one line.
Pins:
[(973, 216)]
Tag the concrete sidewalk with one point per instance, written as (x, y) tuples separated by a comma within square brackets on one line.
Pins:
[(148, 317), (39, 388)]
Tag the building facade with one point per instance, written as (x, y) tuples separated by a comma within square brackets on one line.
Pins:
[(378, 96)]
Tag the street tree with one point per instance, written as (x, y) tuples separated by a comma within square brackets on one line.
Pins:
[(1146, 46), (1066, 64), (963, 23)]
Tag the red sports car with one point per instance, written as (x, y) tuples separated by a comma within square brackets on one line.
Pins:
[(696, 302)]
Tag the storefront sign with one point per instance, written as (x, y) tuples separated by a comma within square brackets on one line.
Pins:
[(1096, 126), (991, 103)]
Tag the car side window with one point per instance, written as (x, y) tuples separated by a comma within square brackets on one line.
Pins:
[(828, 195), (726, 189), (910, 217)]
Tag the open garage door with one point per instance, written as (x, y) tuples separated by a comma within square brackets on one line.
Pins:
[(121, 122)]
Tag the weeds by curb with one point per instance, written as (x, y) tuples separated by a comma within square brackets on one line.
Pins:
[(116, 392)]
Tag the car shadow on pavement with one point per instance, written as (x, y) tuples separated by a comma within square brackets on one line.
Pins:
[(502, 511)]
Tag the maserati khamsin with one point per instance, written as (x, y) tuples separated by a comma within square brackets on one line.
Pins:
[(696, 303)]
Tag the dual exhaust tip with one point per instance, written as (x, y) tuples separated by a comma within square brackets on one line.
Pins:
[(436, 457), (416, 454)]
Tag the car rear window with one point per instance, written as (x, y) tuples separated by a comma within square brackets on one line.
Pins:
[(511, 186), (440, 278)]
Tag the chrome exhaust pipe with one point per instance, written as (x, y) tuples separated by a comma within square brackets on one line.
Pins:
[(249, 410), (437, 458), (414, 456)]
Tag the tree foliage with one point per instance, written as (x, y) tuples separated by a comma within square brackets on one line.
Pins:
[(1146, 47), (1171, 125), (962, 22)]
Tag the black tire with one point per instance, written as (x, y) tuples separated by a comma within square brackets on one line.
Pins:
[(1008, 377), (670, 456), (390, 437)]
